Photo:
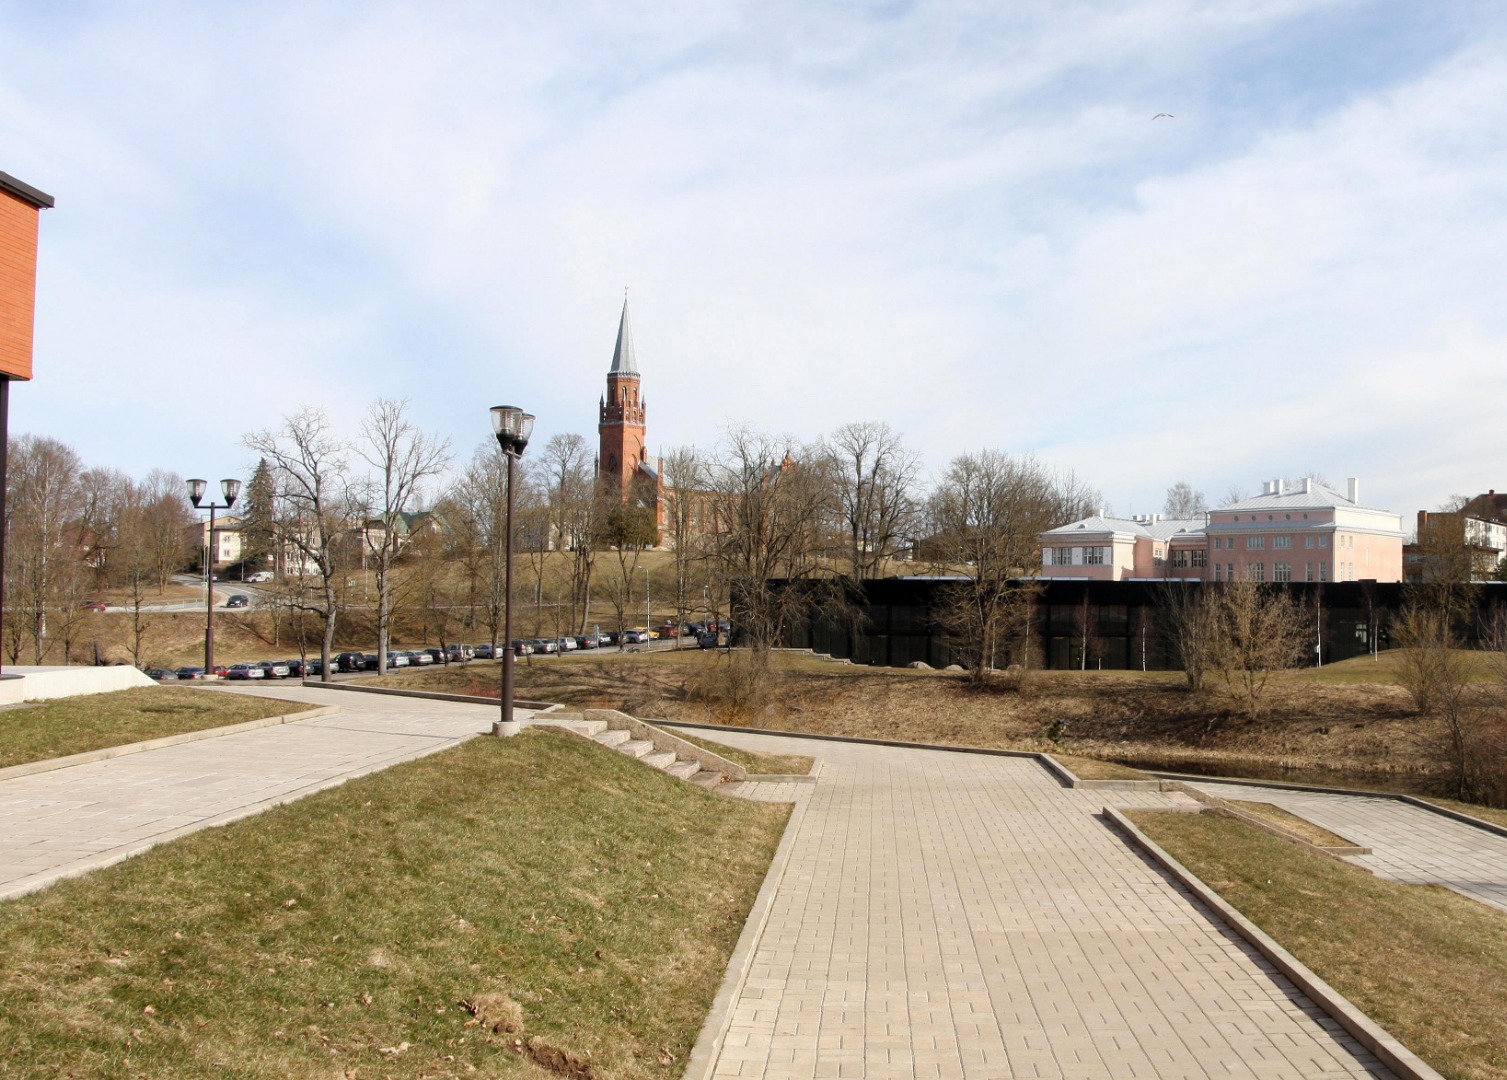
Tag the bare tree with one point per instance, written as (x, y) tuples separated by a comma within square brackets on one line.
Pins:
[(986, 516), (686, 515), (565, 469), (770, 499), (628, 530), (309, 464), (404, 458), (1185, 611), (47, 530), (874, 478), (1184, 502), (1258, 631)]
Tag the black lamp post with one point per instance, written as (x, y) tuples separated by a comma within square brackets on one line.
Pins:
[(512, 426), (230, 489)]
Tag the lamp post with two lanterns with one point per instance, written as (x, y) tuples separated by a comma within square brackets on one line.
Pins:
[(512, 426), (230, 489)]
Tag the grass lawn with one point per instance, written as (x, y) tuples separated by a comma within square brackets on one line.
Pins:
[(51, 729), (402, 925), (1425, 963), (1087, 768)]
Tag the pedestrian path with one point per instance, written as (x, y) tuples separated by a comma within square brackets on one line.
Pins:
[(1407, 842), (69, 821), (959, 915)]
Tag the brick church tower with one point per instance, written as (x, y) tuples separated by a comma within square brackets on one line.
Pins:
[(620, 429)]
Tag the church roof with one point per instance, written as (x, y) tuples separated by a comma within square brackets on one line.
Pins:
[(623, 362)]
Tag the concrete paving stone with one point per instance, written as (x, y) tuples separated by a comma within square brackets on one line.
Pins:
[(1001, 928)]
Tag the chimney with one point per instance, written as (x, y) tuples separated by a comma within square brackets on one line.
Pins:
[(1352, 489), (1281, 487), (1307, 485), (1266, 487)]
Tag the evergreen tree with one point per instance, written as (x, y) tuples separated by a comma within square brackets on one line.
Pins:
[(258, 535)]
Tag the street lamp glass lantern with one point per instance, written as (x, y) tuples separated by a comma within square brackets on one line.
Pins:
[(230, 489), (196, 491), (512, 426)]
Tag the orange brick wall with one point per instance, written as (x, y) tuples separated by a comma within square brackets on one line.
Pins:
[(18, 284)]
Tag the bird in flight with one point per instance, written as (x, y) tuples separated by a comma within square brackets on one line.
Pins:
[(1168, 115)]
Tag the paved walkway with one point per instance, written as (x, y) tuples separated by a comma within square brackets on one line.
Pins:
[(957, 915), (1407, 843), (69, 821)]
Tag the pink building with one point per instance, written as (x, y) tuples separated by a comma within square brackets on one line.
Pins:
[(1300, 532)]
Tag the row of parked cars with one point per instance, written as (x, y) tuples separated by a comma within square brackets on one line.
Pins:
[(704, 633)]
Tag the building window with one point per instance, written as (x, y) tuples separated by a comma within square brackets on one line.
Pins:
[(1254, 542), (1323, 541), (1229, 571), (1217, 568), (1218, 543), (1093, 556), (1281, 541), (1062, 556), (1255, 571), (1310, 573), (1282, 571), (1323, 571), (1198, 557), (1308, 541)]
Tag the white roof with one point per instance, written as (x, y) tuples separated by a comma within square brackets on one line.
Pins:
[(1153, 529), (1318, 497)]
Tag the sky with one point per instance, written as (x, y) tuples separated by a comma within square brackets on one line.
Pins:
[(962, 219)]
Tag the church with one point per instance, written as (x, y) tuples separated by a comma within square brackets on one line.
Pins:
[(622, 456)]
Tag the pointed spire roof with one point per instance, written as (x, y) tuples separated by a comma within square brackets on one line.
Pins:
[(623, 362)]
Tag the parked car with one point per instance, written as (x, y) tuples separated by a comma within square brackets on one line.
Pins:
[(667, 630), (275, 669), (312, 667), (350, 661), (93, 605), (190, 672), (566, 644), (483, 651), (397, 659), (299, 669), (162, 674), (707, 639), (523, 648), (546, 646), (259, 576), (422, 657), (637, 636), (245, 671), (460, 653), (607, 638), (221, 671), (369, 662), (238, 600), (436, 656)]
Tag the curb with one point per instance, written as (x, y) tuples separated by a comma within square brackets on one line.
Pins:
[(431, 695), (714, 1030), (1397, 1057), (1063, 774), (105, 753), (1411, 800)]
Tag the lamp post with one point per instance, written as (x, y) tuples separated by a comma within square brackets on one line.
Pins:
[(512, 426), (230, 489)]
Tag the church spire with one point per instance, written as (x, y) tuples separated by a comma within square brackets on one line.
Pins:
[(623, 362)]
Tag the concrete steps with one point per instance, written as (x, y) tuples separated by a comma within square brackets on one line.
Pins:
[(652, 745)]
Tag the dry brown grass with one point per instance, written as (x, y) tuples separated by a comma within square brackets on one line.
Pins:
[(1332, 728), (1433, 978)]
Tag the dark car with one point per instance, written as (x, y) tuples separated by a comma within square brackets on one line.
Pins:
[(161, 674), (436, 656), (190, 672), (350, 661), (523, 648), (299, 669), (706, 639), (238, 600), (607, 638)]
